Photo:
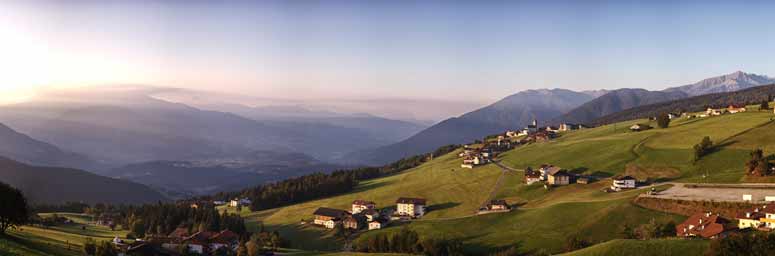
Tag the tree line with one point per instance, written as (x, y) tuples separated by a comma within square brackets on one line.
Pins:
[(319, 185), (163, 218)]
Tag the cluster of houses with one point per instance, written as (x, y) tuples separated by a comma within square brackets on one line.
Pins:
[(365, 215), (234, 202), (556, 176), (473, 157), (201, 243), (535, 133)]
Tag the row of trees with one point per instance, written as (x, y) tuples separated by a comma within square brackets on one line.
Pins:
[(319, 185), (752, 244), (162, 219), (409, 242), (14, 211), (104, 248), (758, 165)]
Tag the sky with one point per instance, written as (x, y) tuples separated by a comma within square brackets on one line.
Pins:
[(476, 51)]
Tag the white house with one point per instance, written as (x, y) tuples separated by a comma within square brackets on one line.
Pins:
[(236, 202), (413, 207), (362, 205), (377, 225), (625, 182)]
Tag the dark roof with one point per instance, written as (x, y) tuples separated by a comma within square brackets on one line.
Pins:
[(362, 202), (408, 200), (329, 212), (624, 178), (498, 202), (370, 212)]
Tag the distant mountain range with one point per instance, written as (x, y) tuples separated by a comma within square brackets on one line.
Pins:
[(126, 126), (550, 107), (727, 83), (623, 99), (509, 113), (52, 185)]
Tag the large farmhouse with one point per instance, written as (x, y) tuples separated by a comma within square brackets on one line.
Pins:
[(329, 217), (702, 225), (412, 207)]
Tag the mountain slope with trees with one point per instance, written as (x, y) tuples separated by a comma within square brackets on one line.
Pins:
[(53, 185), (698, 103), (615, 101)]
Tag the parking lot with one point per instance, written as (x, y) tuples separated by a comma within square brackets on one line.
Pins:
[(717, 192)]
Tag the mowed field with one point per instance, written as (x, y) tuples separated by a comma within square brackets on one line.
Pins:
[(65, 239)]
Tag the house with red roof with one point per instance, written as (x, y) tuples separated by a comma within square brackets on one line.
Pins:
[(703, 225)]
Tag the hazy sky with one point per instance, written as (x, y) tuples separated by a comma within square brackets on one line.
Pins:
[(473, 50)]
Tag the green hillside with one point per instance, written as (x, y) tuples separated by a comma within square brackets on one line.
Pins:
[(657, 153), (645, 248), (547, 218)]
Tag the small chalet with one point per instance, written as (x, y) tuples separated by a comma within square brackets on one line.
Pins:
[(564, 127), (361, 205), (713, 112), (623, 182), (546, 169), (329, 217), (732, 109), (584, 180), (355, 222), (412, 207), (240, 202), (558, 177), (532, 176), (703, 225), (498, 205), (640, 127), (377, 224)]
